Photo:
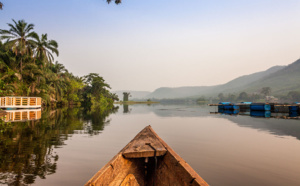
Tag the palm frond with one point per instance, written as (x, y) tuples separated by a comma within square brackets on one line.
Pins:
[(116, 1)]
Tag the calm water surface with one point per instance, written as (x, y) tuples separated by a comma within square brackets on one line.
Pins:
[(68, 146)]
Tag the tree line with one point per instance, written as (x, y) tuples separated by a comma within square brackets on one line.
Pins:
[(27, 68), (292, 96)]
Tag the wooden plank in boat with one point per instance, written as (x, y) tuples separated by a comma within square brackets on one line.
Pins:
[(145, 144)]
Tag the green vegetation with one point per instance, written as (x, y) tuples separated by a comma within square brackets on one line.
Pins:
[(27, 69)]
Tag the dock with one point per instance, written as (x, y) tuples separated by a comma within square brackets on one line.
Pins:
[(12, 102), (266, 110)]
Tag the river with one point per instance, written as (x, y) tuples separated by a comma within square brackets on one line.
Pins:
[(68, 146)]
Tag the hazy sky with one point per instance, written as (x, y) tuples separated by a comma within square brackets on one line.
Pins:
[(147, 44)]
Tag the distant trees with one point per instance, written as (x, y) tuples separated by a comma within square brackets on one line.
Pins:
[(221, 97), (266, 91), (126, 96), (294, 96), (201, 99), (243, 96)]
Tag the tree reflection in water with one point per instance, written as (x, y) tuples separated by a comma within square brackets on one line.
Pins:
[(27, 149)]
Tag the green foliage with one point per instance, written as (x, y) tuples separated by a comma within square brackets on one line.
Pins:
[(96, 93), (26, 69)]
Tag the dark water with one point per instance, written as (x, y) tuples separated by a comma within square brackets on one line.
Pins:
[(68, 146)]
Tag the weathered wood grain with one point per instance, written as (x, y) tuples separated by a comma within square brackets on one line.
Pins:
[(171, 169), (144, 145)]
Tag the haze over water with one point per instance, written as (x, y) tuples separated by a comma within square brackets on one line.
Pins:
[(223, 149)]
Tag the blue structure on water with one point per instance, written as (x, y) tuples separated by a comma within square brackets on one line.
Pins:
[(294, 111), (228, 106), (293, 108), (221, 105), (293, 114), (264, 114), (228, 112), (247, 103), (260, 107)]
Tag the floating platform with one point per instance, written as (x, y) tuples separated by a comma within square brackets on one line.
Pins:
[(20, 102), (260, 107), (227, 106)]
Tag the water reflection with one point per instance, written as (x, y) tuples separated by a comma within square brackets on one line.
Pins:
[(273, 123), (22, 115), (126, 108), (280, 124), (27, 149), (260, 113)]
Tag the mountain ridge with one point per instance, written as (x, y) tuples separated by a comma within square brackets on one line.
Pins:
[(281, 80)]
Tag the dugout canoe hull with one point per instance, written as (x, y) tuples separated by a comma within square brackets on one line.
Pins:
[(146, 160)]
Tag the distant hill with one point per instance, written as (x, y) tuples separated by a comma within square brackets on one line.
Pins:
[(134, 94), (242, 83), (235, 86), (281, 79)]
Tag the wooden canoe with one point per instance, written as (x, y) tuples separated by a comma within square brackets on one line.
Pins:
[(146, 160)]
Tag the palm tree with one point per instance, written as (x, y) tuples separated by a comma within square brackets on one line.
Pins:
[(58, 68), (19, 38), (45, 48), (32, 75)]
